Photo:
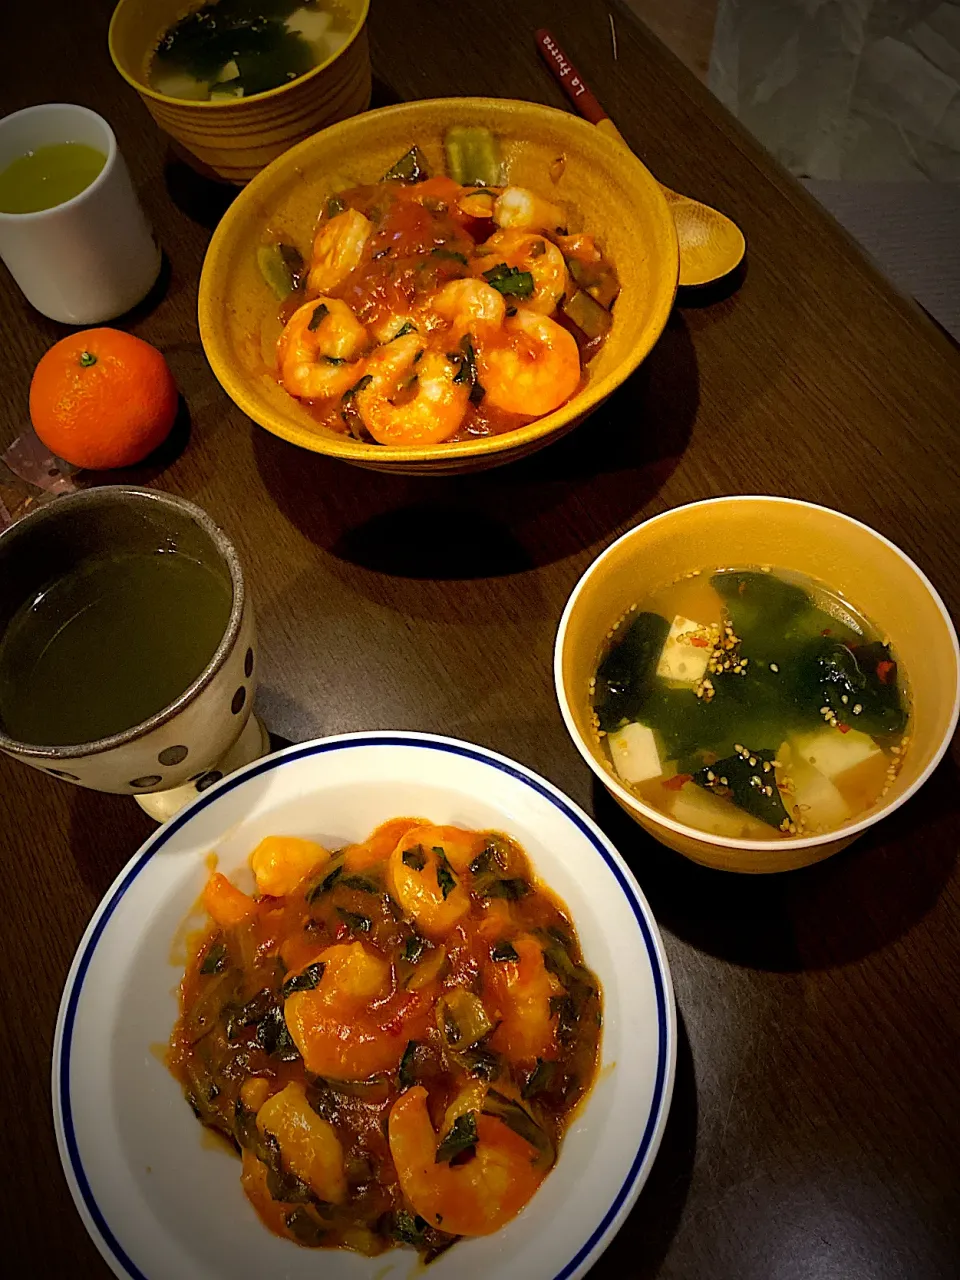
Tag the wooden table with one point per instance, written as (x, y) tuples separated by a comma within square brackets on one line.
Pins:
[(815, 1129)]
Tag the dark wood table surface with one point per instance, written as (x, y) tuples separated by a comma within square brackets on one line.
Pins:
[(815, 1128)]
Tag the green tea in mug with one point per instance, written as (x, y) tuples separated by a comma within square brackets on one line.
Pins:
[(48, 176), (108, 644)]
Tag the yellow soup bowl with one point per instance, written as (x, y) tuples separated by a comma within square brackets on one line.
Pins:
[(609, 190), (235, 139), (852, 559)]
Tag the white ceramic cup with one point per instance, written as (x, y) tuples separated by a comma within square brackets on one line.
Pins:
[(92, 257)]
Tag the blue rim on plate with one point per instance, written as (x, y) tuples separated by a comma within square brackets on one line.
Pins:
[(666, 1043)]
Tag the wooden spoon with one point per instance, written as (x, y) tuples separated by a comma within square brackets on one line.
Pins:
[(711, 244)]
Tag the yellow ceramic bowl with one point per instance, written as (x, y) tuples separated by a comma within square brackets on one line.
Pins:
[(852, 559), (234, 140), (615, 196)]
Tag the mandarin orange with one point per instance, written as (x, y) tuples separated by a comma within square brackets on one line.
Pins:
[(102, 399)]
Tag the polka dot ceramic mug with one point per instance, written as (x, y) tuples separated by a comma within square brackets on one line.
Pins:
[(207, 729)]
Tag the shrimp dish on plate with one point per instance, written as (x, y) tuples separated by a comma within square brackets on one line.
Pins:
[(393, 1036), (438, 308)]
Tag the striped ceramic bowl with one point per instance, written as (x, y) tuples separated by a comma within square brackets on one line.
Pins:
[(235, 139), (619, 200)]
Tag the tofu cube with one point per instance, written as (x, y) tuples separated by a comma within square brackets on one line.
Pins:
[(697, 808), (819, 800), (312, 24), (681, 661), (633, 750), (832, 752)]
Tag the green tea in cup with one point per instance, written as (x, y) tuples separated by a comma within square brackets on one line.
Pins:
[(48, 176), (109, 644), (72, 232), (127, 649)]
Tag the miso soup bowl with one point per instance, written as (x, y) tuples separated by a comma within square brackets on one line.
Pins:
[(235, 139), (854, 560)]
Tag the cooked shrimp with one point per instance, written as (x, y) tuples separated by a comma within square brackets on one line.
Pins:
[(532, 253), (534, 369), (413, 396), (393, 325), (518, 996), (337, 250), (525, 211), (228, 905), (353, 1024), (320, 348), (471, 306), (424, 874), (280, 863), (471, 1199), (478, 204), (309, 1145), (379, 845)]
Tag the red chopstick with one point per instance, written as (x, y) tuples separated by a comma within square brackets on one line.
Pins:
[(569, 78)]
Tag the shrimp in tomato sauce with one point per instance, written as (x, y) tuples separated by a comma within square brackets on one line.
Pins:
[(499, 305), (392, 1035)]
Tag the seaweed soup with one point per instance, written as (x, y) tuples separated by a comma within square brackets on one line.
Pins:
[(751, 703)]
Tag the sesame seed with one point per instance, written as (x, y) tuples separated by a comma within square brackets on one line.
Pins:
[(824, 711), (774, 668), (723, 782), (753, 762), (711, 776), (844, 699), (768, 791)]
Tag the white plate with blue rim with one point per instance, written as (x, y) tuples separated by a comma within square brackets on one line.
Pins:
[(162, 1202)]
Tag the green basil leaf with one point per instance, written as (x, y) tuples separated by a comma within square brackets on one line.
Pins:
[(415, 858), (540, 1080), (510, 281), (452, 254), (325, 884), (413, 948), (408, 1228), (411, 167), (354, 921), (521, 1122), (504, 951), (406, 1073), (305, 981), (512, 889), (462, 1136), (358, 882), (481, 1063), (215, 961), (445, 877), (304, 1227)]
